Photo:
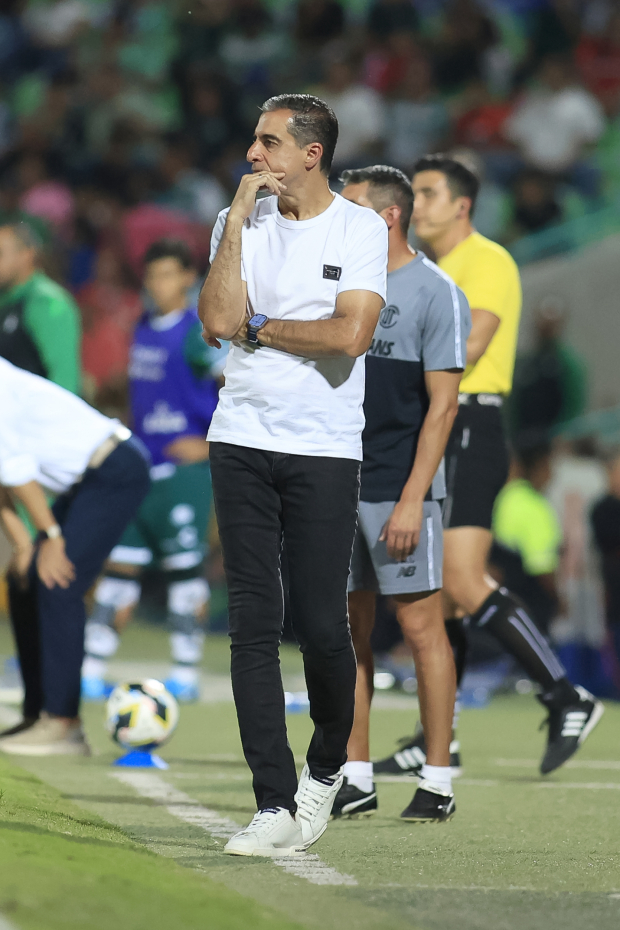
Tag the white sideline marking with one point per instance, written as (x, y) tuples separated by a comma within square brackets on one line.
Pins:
[(6, 925), (183, 807), (572, 764), (588, 785)]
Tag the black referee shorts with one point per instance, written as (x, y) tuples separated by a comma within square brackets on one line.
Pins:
[(476, 462)]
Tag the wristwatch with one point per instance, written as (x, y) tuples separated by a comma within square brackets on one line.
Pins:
[(255, 324), (53, 532)]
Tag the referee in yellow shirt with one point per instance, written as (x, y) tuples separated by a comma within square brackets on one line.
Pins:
[(445, 193)]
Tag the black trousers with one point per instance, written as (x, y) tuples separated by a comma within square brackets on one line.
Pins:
[(49, 624), (309, 503)]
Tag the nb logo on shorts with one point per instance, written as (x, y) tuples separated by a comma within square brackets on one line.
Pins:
[(406, 571)]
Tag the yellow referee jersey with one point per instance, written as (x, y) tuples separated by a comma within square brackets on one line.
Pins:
[(490, 279)]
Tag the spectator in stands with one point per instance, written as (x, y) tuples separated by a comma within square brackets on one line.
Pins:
[(418, 118), (554, 125), (39, 321), (598, 58), (535, 203), (360, 112), (549, 387), (385, 17), (319, 21), (467, 33), (606, 525), (527, 536)]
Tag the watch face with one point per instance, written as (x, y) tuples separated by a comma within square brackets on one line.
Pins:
[(258, 320)]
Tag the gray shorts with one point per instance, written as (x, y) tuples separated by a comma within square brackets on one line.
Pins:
[(372, 569)]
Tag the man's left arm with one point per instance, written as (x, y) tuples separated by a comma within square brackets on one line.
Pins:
[(402, 531)]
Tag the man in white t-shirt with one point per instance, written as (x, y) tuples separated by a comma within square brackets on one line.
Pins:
[(297, 282), (50, 440)]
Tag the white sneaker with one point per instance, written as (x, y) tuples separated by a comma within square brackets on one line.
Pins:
[(49, 736), (271, 832), (315, 800)]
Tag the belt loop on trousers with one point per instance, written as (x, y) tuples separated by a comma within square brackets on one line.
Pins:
[(484, 400), (120, 434)]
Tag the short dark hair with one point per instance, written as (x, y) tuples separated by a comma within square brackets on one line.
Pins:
[(387, 186), (531, 447), (312, 121), (170, 248), (462, 180), (27, 237)]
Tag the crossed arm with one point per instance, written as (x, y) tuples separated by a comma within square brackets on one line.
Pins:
[(223, 309)]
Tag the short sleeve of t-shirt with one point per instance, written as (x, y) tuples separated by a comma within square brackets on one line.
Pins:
[(488, 281), (447, 325), (216, 238), (366, 266)]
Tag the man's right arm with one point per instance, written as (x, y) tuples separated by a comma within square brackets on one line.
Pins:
[(222, 305)]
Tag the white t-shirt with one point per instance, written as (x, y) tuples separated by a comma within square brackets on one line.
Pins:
[(47, 434), (294, 271)]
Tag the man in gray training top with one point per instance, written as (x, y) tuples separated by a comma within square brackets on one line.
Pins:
[(413, 369)]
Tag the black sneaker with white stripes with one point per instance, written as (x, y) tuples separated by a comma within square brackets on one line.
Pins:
[(411, 756), (351, 802), (430, 805), (569, 725)]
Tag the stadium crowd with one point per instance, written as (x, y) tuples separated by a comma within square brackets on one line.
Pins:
[(123, 122)]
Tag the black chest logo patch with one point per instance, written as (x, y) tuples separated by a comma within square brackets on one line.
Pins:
[(389, 317), (332, 272)]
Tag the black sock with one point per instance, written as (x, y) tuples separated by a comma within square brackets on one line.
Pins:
[(455, 628), (506, 618)]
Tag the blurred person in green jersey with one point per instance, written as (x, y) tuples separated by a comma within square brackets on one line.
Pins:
[(39, 320), (527, 534)]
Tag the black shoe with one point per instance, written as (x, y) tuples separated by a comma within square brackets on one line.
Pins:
[(24, 724), (569, 726), (352, 802), (430, 805), (411, 756)]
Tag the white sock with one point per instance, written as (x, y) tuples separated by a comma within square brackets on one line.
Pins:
[(92, 667), (359, 774), (185, 674), (457, 711), (439, 775)]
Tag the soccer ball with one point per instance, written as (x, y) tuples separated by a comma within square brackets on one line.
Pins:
[(142, 715)]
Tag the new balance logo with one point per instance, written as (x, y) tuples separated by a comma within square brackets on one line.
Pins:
[(406, 571)]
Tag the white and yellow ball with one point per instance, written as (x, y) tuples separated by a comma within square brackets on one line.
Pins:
[(141, 715)]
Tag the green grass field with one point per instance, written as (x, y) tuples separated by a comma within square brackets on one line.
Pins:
[(87, 845)]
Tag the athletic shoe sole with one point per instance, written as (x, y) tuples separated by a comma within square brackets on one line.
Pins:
[(275, 852), (429, 819), (597, 713), (408, 775)]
